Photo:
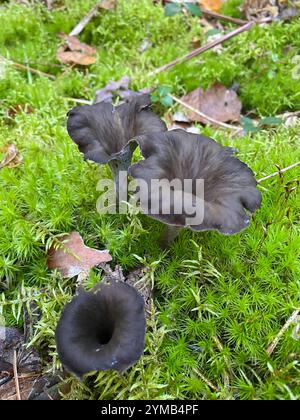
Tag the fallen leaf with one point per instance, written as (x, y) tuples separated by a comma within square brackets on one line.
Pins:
[(213, 5), (12, 157), (8, 389), (276, 9), (134, 279), (5, 367), (75, 51), (218, 102), (74, 44), (49, 4), (119, 89), (75, 258), (12, 339), (75, 57), (108, 4)]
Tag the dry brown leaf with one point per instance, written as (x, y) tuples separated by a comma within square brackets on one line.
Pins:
[(8, 390), (75, 57), (12, 157), (108, 4), (75, 258), (217, 102), (75, 52), (213, 5), (74, 44), (282, 9)]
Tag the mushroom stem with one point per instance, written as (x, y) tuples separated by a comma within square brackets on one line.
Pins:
[(169, 235), (119, 168)]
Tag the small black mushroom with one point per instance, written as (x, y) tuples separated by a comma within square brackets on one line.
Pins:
[(229, 192), (102, 131), (102, 329)]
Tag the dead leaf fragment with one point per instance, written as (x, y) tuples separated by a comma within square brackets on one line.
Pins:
[(12, 157), (108, 4), (75, 258), (218, 102), (75, 57), (74, 44), (276, 9), (75, 51), (213, 5), (119, 88)]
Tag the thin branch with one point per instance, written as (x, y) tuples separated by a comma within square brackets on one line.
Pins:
[(16, 378), (223, 17), (206, 117), (27, 68), (280, 171), (204, 48), (79, 101), (286, 326), (221, 349), (289, 114), (87, 18), (207, 381)]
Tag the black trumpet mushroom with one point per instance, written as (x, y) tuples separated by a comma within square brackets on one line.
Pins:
[(102, 329), (229, 192), (102, 131)]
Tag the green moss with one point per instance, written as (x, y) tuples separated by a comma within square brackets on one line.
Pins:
[(220, 300)]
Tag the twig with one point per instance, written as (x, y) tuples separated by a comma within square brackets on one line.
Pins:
[(289, 114), (210, 119), (207, 381), (26, 68), (224, 17), (16, 378), (204, 48), (280, 171), (290, 321), (221, 349), (87, 18), (79, 101)]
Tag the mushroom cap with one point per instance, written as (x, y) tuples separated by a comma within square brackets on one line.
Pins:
[(101, 130), (230, 192), (102, 329)]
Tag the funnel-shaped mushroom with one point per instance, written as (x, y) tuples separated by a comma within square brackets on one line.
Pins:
[(102, 131), (102, 329), (229, 192)]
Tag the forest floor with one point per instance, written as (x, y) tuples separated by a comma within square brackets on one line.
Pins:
[(219, 301)]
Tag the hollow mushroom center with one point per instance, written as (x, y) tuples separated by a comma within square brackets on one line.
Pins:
[(104, 334)]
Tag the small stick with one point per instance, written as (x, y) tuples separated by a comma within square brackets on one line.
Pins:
[(26, 68), (281, 171), (16, 378), (290, 321), (224, 17), (210, 119), (289, 114), (79, 101), (207, 381), (221, 348), (204, 48), (87, 18)]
